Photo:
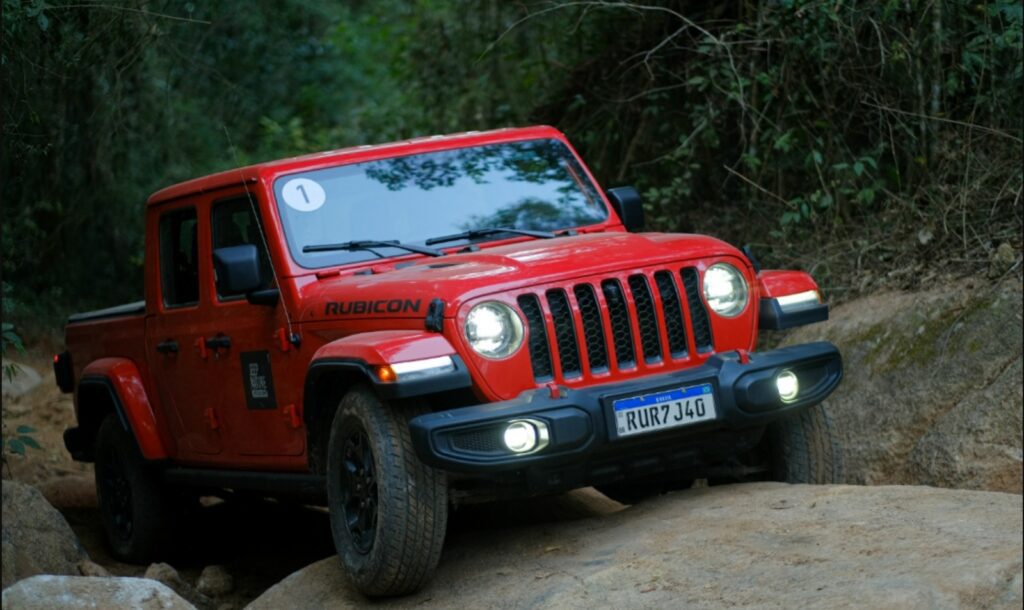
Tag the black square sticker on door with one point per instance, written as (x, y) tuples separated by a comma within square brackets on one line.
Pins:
[(258, 381)]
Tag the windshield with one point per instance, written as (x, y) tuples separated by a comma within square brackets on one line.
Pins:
[(535, 185)]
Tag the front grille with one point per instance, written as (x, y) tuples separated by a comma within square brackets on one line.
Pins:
[(618, 313), (698, 315), (647, 318), (593, 328), (540, 355), (565, 333), (674, 324), (628, 325)]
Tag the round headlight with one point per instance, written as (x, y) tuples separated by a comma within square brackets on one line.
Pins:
[(725, 290), (494, 330)]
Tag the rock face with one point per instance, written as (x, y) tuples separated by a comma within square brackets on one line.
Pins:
[(166, 574), (36, 538), (932, 386), (756, 545), (80, 592), (215, 581)]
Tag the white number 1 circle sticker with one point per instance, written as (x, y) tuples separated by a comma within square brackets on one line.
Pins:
[(303, 194)]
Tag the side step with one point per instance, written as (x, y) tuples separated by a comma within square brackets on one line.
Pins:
[(272, 483)]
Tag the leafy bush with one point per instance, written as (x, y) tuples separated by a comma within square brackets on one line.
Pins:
[(856, 139)]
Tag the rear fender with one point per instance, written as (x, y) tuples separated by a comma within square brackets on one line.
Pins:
[(120, 379)]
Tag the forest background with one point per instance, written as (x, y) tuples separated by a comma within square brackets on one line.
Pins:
[(874, 144)]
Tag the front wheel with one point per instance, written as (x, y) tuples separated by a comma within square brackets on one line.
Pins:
[(804, 448), (388, 510)]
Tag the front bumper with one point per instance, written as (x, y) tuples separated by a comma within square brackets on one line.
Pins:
[(583, 443)]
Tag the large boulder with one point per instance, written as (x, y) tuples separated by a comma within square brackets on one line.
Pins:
[(932, 386), (756, 545), (81, 593), (36, 538)]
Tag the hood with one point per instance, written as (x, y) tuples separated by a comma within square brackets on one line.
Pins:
[(406, 291)]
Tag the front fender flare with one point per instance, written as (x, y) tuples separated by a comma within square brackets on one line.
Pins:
[(361, 354), (120, 377)]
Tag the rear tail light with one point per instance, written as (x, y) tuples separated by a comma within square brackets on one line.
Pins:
[(63, 372)]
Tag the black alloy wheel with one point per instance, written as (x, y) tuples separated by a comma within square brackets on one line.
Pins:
[(117, 491), (139, 514), (360, 490), (388, 509)]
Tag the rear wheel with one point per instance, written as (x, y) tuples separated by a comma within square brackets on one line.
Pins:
[(388, 510), (137, 512)]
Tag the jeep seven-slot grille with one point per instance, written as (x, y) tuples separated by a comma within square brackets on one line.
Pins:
[(565, 332), (647, 317), (618, 316), (698, 315), (670, 303), (540, 356), (593, 329), (618, 313)]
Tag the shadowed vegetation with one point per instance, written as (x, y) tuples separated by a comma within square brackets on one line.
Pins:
[(871, 143)]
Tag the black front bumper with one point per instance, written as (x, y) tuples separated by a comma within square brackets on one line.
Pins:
[(583, 447)]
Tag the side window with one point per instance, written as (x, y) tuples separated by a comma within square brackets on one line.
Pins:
[(179, 258), (234, 223)]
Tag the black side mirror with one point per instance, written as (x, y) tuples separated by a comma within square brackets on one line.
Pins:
[(629, 207), (238, 272)]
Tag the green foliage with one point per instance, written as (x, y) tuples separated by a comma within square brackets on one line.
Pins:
[(22, 441), (797, 125)]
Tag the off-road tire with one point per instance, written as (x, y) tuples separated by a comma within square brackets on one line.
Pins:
[(634, 492), (138, 513), (411, 499), (804, 448)]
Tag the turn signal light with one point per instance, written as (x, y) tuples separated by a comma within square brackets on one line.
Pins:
[(386, 374)]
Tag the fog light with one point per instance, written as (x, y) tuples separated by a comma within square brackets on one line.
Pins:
[(526, 435), (521, 436), (788, 386)]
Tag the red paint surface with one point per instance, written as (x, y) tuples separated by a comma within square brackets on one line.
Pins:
[(127, 383), (775, 283), (177, 396)]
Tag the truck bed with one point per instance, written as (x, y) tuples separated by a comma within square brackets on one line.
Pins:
[(112, 332)]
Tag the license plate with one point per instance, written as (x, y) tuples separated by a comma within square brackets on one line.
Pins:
[(661, 410)]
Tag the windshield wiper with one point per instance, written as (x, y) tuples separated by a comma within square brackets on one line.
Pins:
[(488, 231), (369, 244)]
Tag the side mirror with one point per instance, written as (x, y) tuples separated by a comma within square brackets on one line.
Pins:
[(238, 272), (629, 207)]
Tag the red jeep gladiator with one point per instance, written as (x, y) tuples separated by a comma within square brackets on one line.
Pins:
[(400, 328)]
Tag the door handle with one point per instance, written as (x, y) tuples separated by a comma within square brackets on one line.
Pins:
[(169, 346), (219, 342)]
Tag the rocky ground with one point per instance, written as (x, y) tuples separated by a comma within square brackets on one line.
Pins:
[(755, 545), (932, 387), (932, 396)]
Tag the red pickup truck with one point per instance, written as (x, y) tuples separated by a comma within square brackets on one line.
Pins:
[(399, 328)]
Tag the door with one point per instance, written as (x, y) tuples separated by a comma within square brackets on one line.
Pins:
[(260, 407), (180, 373)]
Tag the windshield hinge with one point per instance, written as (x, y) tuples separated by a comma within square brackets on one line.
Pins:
[(435, 316)]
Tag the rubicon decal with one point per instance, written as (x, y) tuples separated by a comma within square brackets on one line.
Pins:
[(345, 308)]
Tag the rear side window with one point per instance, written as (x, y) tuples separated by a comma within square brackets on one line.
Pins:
[(234, 223), (179, 258)]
